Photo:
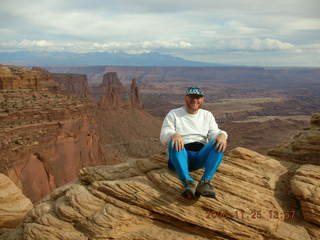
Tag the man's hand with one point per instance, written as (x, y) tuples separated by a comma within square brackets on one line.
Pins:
[(221, 142), (177, 141)]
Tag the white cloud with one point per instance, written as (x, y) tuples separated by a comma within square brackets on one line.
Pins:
[(252, 44), (305, 24), (187, 27), (129, 47), (239, 27), (34, 43)]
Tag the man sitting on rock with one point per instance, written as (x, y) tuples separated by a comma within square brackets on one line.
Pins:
[(194, 141)]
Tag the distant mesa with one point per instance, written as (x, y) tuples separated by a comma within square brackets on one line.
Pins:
[(13, 77), (39, 79), (72, 84), (115, 94)]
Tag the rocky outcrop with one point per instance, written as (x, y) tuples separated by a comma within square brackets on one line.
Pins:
[(304, 147), (140, 199), (42, 132), (135, 99), (13, 204), (13, 77), (72, 84), (46, 80), (114, 90), (125, 128), (50, 134), (306, 187), (57, 135)]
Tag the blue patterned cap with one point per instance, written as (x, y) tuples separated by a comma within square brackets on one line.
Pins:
[(194, 91)]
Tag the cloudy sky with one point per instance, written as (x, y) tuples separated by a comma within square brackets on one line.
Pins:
[(251, 32)]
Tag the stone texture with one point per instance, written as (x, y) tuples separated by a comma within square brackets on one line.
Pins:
[(57, 135), (113, 89), (140, 199), (13, 77), (135, 99), (314, 231), (125, 128), (304, 147), (51, 134), (306, 186), (72, 84), (13, 204), (46, 80)]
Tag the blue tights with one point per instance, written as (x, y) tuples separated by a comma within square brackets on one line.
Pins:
[(183, 161)]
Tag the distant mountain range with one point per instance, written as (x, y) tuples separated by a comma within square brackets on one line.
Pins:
[(96, 58)]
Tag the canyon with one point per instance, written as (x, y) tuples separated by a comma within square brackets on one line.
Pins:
[(258, 197), (81, 159), (259, 107), (51, 128)]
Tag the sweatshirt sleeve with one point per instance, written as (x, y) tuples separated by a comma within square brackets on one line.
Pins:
[(214, 130), (168, 128)]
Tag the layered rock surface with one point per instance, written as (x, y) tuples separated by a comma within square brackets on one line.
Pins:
[(114, 91), (140, 199), (41, 129), (46, 138), (304, 147), (13, 204), (125, 128), (72, 84), (13, 77), (135, 99), (306, 186), (53, 136)]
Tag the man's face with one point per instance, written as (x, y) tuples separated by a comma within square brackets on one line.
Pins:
[(194, 102)]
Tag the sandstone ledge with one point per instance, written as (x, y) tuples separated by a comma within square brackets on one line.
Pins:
[(13, 204), (140, 199), (306, 186), (304, 148)]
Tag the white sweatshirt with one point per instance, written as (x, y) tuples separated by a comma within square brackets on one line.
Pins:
[(199, 127)]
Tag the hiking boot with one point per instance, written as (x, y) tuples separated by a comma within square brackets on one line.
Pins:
[(189, 189), (205, 189)]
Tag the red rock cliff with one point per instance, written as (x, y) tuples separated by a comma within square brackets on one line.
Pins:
[(126, 129), (12, 77), (114, 91), (45, 138), (135, 99), (72, 84)]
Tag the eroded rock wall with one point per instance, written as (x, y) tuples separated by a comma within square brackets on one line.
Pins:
[(304, 148), (46, 139), (140, 199), (135, 99), (114, 92), (13, 77), (72, 84)]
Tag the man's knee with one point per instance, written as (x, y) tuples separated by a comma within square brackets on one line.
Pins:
[(214, 148), (172, 148)]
